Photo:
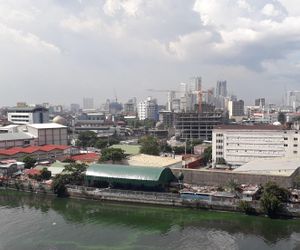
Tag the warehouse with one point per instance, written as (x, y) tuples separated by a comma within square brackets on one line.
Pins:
[(129, 177)]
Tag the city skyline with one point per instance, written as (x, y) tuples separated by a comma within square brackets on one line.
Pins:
[(102, 47)]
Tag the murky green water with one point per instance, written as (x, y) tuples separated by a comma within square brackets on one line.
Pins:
[(34, 222)]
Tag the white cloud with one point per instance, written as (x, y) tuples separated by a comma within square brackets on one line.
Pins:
[(269, 10), (29, 39)]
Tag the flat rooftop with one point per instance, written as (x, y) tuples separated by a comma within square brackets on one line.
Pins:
[(153, 161), (45, 125), (279, 166), (250, 127)]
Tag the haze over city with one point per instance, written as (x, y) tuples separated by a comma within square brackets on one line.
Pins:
[(60, 51)]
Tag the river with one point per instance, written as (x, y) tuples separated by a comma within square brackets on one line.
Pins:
[(30, 221)]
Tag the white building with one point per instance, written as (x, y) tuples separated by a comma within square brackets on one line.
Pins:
[(293, 99), (48, 133), (28, 115), (148, 109), (239, 144), (88, 103)]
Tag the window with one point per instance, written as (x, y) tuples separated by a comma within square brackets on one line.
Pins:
[(295, 139), (295, 152), (295, 145), (285, 145), (285, 138)]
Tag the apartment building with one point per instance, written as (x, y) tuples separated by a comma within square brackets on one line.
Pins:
[(239, 144)]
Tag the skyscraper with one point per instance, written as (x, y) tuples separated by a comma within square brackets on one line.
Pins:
[(221, 89), (88, 103)]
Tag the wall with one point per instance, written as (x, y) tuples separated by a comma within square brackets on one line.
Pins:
[(216, 178)]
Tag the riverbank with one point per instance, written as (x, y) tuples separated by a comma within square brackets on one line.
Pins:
[(148, 198)]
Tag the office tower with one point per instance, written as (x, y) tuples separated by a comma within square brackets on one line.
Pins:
[(88, 103), (221, 89), (260, 102)]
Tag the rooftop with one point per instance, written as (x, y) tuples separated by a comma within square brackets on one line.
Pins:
[(15, 136), (153, 161), (128, 149), (45, 125), (26, 109), (250, 127), (129, 174), (280, 166), (32, 149)]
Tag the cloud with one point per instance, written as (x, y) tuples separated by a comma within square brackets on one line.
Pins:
[(129, 43)]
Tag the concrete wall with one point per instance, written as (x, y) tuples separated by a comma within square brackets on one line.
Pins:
[(216, 178)]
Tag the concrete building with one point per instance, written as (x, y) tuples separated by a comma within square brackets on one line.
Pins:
[(130, 107), (28, 115), (48, 133), (261, 102), (235, 108), (221, 89), (239, 144), (88, 103), (197, 125), (74, 107), (148, 109), (293, 99)]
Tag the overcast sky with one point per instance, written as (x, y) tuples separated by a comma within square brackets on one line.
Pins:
[(58, 51)]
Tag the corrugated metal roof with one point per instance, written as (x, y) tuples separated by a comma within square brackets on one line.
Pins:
[(130, 174), (15, 136)]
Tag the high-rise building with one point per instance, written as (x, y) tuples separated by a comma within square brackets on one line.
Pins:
[(130, 107), (235, 108), (148, 109), (221, 89), (74, 107), (261, 102), (197, 83), (88, 103), (293, 99)]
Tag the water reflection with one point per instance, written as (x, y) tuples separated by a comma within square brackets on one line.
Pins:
[(178, 228)]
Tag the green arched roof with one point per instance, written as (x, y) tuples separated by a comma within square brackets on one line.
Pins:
[(130, 174)]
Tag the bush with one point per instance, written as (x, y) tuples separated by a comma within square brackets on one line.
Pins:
[(28, 162), (245, 206)]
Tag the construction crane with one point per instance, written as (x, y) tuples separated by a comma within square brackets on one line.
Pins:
[(199, 94)]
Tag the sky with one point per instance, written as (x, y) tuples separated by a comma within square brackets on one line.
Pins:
[(61, 51)]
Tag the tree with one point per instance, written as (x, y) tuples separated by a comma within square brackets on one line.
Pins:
[(207, 155), (72, 174), (221, 161), (112, 154), (273, 198), (245, 206), (29, 162), (149, 145), (45, 174), (86, 139), (281, 118)]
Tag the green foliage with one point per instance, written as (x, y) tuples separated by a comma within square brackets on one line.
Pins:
[(72, 174), (112, 154), (68, 160), (281, 118), (59, 185), (179, 150), (207, 155), (45, 174), (149, 145), (270, 204), (221, 161), (245, 206), (86, 139), (166, 148), (281, 193), (233, 186), (29, 162), (273, 198)]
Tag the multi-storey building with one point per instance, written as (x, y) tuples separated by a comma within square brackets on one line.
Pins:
[(239, 144), (88, 103), (235, 108), (28, 115), (148, 109), (197, 125)]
